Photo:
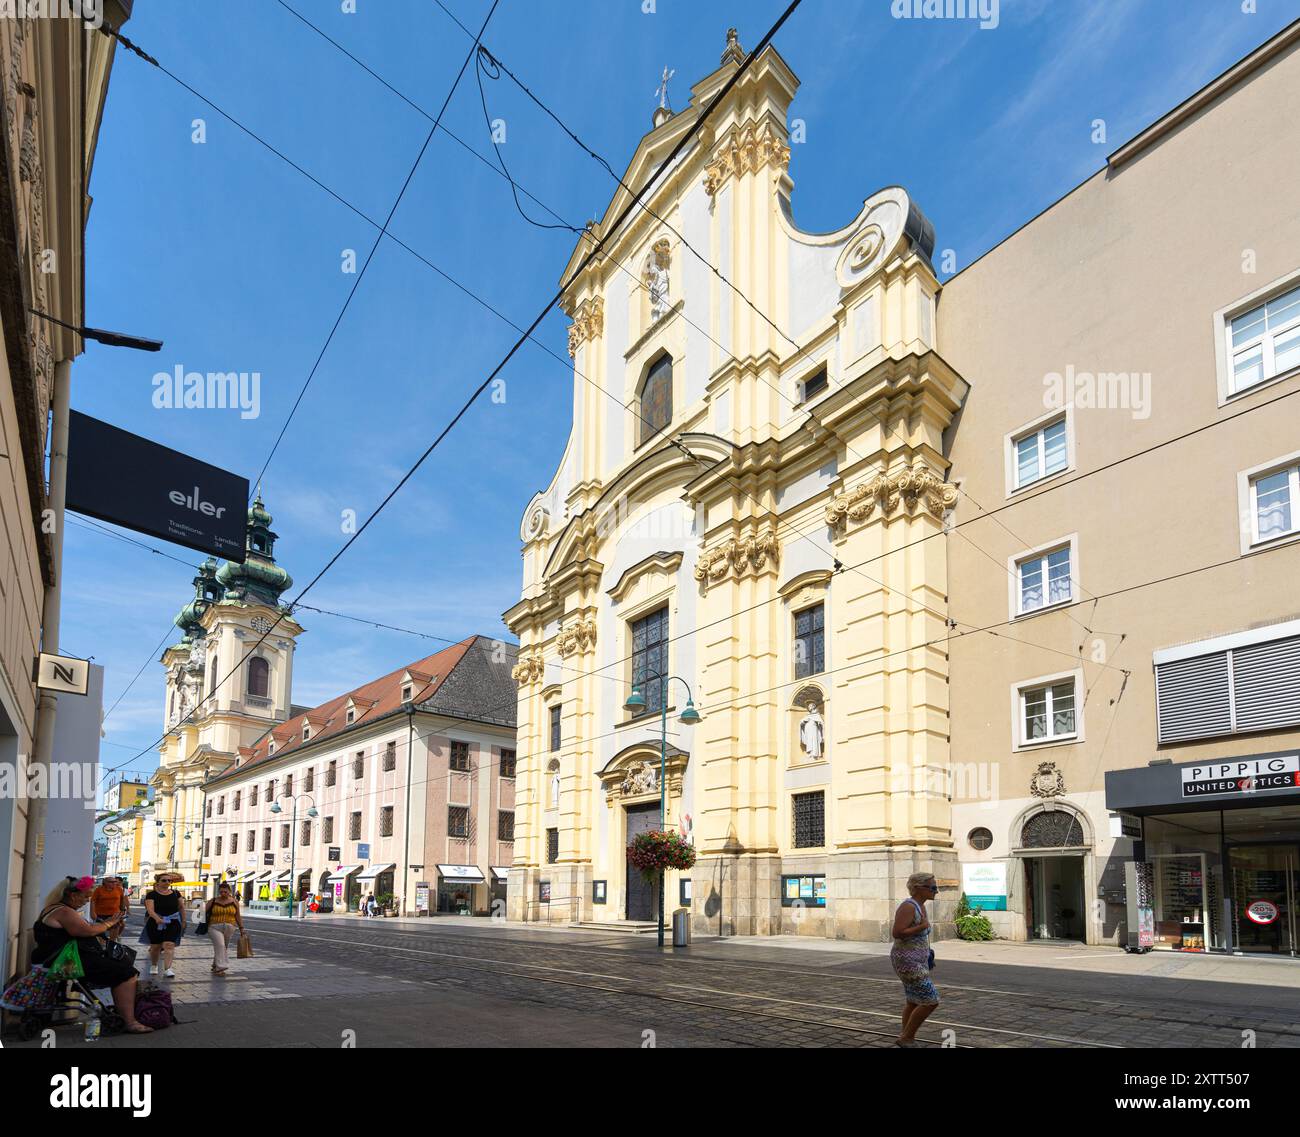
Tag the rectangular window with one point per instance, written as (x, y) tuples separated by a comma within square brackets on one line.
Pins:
[(234, 844), (815, 384), (1252, 683), (1044, 580), (209, 808), (359, 765), (354, 827), (552, 846), (270, 791), (1048, 713), (1264, 342), (406, 693), (386, 821), (809, 812), (304, 833), (238, 793), (390, 756), (207, 845), (284, 836), (288, 783), (1040, 454), (327, 830), (266, 837), (555, 728), (457, 821), (650, 658), (252, 840), (1275, 504), (507, 763), (331, 774), (810, 641), (218, 846), (505, 825), (252, 795), (460, 756), (221, 805)]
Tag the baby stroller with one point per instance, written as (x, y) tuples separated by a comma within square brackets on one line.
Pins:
[(43, 998)]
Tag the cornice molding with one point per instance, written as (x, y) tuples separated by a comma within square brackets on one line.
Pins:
[(914, 487)]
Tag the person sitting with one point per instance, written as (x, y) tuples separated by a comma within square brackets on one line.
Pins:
[(60, 923)]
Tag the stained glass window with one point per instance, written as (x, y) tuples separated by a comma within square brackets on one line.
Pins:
[(657, 398)]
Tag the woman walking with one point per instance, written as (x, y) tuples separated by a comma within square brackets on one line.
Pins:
[(165, 922), (224, 924), (912, 957), (59, 922)]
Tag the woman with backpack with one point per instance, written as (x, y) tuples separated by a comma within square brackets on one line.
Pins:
[(224, 924), (165, 923), (59, 922), (912, 957)]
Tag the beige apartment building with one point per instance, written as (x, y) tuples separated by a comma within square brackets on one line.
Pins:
[(772, 508), (1132, 429), (53, 82)]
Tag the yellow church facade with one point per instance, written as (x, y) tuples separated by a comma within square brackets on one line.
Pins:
[(739, 518)]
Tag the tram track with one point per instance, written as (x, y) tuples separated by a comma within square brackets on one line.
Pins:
[(723, 1001)]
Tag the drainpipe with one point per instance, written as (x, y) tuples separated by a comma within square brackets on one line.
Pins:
[(406, 827), (47, 706)]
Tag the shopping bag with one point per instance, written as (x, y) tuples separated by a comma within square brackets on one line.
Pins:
[(245, 948), (68, 962), (38, 990)]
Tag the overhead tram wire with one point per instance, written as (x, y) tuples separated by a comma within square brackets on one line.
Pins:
[(523, 338)]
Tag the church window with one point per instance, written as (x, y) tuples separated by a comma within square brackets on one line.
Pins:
[(259, 677), (552, 846), (212, 678), (810, 641), (656, 401), (809, 820), (815, 384), (555, 727), (650, 657)]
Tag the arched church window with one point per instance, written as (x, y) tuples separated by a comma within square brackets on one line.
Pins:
[(212, 679), (1051, 829), (656, 400), (259, 677)]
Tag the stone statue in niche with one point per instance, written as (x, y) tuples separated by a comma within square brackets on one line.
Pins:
[(812, 733), (656, 278), (555, 790)]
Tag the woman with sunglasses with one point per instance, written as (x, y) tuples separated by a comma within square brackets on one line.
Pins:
[(911, 955)]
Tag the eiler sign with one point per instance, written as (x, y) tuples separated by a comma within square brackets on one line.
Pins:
[(120, 477)]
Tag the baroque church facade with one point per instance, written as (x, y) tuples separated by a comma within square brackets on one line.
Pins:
[(738, 518), (238, 700)]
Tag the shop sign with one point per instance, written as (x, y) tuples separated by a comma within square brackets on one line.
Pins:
[(363, 852), (268, 858), (1261, 911), (422, 896), (335, 853), (985, 885), (1241, 776)]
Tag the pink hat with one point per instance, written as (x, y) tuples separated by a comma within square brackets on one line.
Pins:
[(84, 884)]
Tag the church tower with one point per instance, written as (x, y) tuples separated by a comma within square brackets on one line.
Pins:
[(229, 680)]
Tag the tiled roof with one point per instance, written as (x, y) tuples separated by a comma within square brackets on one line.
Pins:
[(470, 679)]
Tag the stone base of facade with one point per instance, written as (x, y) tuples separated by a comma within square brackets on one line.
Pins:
[(741, 894), (569, 891)]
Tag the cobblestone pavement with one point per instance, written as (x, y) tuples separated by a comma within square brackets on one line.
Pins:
[(438, 983)]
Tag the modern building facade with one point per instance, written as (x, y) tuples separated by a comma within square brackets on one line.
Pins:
[(938, 563), (1132, 354), (741, 438), (402, 788), (53, 82)]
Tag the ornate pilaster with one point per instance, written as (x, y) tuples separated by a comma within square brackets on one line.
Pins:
[(588, 323)]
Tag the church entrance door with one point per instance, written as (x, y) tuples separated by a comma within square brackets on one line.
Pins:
[(642, 894)]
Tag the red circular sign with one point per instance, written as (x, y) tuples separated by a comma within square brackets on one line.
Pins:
[(1261, 911)]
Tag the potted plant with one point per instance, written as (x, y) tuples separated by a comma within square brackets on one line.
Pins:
[(658, 850), (971, 923), (387, 903)]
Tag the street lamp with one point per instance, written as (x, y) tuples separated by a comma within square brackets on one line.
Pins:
[(690, 716), (293, 836)]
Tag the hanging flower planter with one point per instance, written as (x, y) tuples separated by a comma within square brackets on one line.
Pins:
[(654, 852)]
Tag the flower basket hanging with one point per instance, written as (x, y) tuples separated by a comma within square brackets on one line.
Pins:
[(652, 853)]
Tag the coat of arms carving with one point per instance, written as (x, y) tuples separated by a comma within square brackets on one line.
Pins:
[(1047, 781)]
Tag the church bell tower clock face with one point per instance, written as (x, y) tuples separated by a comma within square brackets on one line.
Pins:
[(262, 624)]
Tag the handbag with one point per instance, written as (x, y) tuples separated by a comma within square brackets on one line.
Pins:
[(930, 962), (245, 948), (119, 952), (202, 929)]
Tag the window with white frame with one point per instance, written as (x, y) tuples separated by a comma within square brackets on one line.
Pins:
[(1040, 453), (1044, 580), (1264, 342), (1274, 498), (1048, 712)]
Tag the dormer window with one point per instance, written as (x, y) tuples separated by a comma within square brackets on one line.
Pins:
[(306, 732), (406, 693), (655, 403), (270, 749), (351, 716)]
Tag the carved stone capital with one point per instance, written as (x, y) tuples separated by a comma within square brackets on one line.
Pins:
[(745, 149), (913, 488), (576, 637), (588, 323), (738, 556)]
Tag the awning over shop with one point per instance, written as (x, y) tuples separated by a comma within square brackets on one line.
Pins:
[(342, 871), (1238, 782), (374, 871), (286, 874), (460, 874), (500, 873), (265, 874), (249, 875)]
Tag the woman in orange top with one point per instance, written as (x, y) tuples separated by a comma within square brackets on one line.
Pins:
[(107, 901)]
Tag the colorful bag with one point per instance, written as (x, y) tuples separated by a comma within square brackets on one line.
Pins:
[(153, 1008), (38, 990), (245, 948), (67, 963)]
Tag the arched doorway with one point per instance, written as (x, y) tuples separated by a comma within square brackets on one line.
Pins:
[(326, 892), (1053, 846)]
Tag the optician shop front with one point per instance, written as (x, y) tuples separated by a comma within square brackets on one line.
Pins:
[(1218, 851)]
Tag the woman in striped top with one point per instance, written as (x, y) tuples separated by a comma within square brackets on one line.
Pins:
[(224, 923)]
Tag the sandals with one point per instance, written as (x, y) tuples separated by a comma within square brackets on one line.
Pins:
[(138, 1028)]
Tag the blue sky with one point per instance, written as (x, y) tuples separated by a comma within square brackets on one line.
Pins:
[(234, 259)]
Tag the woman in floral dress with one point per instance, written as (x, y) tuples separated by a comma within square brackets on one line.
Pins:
[(910, 955)]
